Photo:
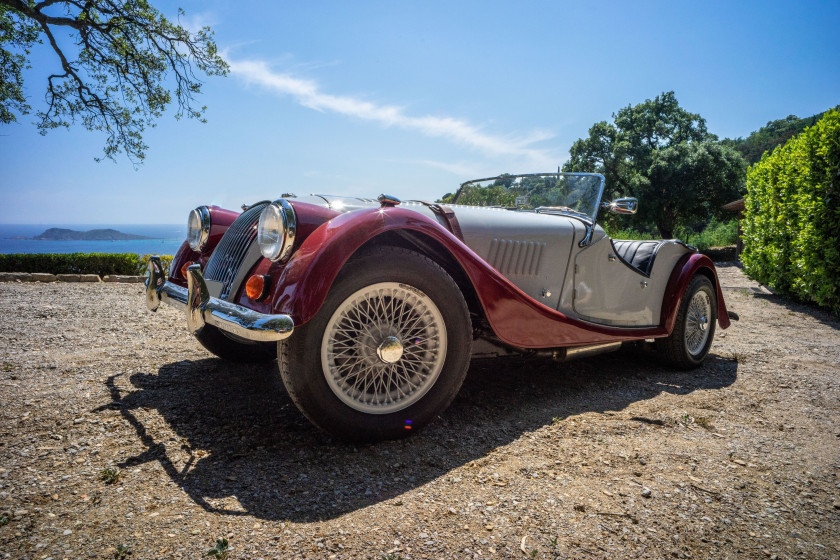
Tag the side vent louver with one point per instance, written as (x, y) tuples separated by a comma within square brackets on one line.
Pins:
[(520, 258)]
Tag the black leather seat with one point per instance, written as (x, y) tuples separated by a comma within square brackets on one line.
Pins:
[(638, 254)]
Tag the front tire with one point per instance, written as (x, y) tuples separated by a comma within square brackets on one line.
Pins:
[(694, 329), (387, 351), (216, 342)]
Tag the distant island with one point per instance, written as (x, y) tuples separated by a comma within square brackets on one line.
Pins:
[(60, 234)]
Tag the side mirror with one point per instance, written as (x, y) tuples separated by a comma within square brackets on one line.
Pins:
[(622, 205)]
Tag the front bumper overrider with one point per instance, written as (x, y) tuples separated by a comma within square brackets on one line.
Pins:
[(205, 310)]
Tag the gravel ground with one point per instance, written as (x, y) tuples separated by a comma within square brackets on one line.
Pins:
[(118, 429)]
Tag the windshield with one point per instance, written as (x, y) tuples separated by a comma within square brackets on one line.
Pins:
[(574, 193)]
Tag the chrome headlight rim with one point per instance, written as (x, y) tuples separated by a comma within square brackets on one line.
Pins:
[(282, 213), (198, 241)]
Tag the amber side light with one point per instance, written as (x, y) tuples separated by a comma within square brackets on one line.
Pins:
[(185, 267), (256, 287)]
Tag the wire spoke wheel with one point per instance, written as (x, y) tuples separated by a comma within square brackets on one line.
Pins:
[(383, 348), (697, 323), (387, 351), (694, 329)]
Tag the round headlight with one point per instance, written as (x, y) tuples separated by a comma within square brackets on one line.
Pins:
[(277, 229), (198, 228)]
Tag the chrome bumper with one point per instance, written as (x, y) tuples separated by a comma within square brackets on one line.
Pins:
[(205, 310)]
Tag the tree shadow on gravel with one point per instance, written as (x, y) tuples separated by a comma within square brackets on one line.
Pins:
[(242, 448), (822, 315)]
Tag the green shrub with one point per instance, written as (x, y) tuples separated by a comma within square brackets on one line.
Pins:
[(792, 218), (716, 234), (627, 233), (103, 264)]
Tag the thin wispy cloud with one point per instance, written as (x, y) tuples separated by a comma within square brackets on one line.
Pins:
[(194, 22), (308, 94), (459, 168)]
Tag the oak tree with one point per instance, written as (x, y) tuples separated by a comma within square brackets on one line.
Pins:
[(118, 66), (663, 155)]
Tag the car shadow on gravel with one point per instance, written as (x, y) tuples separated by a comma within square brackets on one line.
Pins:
[(232, 439)]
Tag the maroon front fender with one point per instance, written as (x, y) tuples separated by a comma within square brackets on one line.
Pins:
[(220, 220), (516, 318)]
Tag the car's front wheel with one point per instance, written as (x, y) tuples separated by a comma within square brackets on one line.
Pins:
[(387, 351), (694, 329), (245, 352)]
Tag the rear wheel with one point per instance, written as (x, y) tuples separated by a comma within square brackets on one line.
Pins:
[(387, 351), (694, 329)]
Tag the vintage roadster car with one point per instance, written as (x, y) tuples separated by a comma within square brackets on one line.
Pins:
[(374, 308)]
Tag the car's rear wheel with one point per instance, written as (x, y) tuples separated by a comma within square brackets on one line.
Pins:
[(245, 352), (694, 329), (387, 351)]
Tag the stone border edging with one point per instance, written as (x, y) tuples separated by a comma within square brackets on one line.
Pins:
[(44, 277)]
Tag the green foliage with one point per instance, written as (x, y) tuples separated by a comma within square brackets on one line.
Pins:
[(573, 193), (220, 550), (103, 264), (110, 475), (477, 195), (791, 234), (715, 234), (766, 138), (628, 233), (121, 64), (19, 35), (121, 552), (664, 156)]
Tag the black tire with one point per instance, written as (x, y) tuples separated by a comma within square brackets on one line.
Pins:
[(689, 343), (226, 348), (418, 370)]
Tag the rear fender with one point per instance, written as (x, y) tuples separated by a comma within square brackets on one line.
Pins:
[(685, 269)]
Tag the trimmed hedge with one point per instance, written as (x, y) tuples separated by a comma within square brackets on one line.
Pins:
[(791, 226), (103, 264)]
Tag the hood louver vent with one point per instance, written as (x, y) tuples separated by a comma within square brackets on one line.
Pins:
[(520, 258)]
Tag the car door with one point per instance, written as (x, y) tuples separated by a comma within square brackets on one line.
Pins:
[(613, 286), (609, 291)]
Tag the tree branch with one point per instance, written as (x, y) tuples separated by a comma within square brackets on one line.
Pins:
[(115, 82)]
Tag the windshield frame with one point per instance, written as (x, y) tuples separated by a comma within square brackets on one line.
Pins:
[(592, 220)]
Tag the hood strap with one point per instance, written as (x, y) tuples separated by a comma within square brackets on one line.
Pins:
[(448, 216)]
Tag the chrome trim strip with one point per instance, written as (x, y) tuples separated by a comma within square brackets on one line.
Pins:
[(201, 309), (583, 351)]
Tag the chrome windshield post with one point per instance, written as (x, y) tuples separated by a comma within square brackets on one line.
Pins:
[(587, 239)]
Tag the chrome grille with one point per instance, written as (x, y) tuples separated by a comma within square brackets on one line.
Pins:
[(227, 258)]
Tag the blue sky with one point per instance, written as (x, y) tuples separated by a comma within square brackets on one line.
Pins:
[(412, 98)]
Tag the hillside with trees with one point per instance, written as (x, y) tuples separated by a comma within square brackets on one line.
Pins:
[(775, 133)]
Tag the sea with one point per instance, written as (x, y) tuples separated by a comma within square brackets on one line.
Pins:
[(167, 239)]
